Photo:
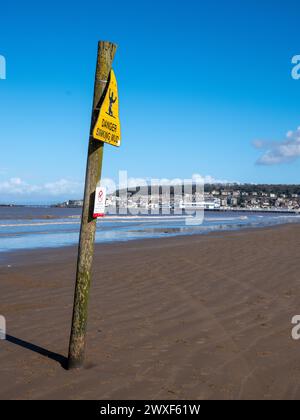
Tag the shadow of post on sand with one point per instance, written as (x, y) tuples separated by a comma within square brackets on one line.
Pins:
[(62, 360)]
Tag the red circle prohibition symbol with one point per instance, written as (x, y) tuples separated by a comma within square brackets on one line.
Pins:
[(100, 195)]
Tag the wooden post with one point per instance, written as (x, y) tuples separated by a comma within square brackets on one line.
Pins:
[(106, 52)]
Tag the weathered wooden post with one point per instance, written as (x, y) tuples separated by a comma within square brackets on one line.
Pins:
[(105, 56)]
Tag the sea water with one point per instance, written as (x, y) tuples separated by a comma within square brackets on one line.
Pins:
[(43, 227)]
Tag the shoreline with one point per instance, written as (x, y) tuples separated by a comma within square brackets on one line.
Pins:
[(14, 254), (77, 213)]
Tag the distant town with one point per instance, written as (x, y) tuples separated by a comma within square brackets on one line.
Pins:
[(242, 197)]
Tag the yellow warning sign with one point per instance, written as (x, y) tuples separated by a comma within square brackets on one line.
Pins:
[(107, 127)]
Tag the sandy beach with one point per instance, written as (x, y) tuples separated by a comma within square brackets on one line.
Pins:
[(198, 317)]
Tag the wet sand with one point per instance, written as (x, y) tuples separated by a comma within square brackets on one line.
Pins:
[(199, 317)]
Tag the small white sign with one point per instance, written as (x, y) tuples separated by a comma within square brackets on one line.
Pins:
[(100, 198)]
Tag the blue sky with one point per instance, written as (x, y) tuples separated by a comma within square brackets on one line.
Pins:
[(205, 87)]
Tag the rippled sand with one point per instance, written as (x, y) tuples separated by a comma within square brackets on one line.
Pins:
[(196, 317)]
